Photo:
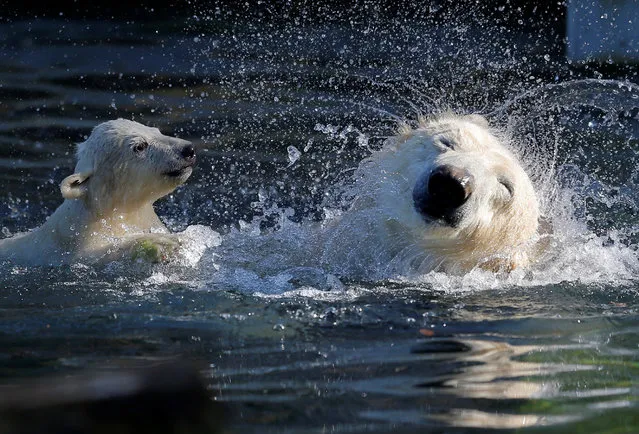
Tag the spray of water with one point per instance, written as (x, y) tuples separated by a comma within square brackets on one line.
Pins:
[(547, 130)]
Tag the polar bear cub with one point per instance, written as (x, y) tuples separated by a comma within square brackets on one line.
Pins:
[(449, 195), (122, 169)]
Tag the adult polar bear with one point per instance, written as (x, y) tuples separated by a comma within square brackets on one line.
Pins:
[(123, 167), (448, 195)]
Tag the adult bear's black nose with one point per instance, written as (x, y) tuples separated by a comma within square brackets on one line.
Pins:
[(449, 187), (438, 195), (188, 153)]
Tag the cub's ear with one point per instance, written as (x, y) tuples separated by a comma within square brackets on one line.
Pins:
[(74, 186), (477, 120)]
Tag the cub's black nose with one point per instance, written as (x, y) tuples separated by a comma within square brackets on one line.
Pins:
[(439, 194), (188, 152)]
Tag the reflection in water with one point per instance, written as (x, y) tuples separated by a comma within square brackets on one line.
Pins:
[(491, 371), (437, 382), (479, 419), (494, 373)]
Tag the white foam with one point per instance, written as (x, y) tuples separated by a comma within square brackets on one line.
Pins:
[(196, 240)]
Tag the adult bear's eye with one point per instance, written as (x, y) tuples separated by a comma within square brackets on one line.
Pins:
[(445, 142), (508, 185), (140, 146)]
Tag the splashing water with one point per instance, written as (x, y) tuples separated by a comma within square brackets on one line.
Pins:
[(582, 247), (294, 154)]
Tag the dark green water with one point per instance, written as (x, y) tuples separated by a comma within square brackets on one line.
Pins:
[(290, 347)]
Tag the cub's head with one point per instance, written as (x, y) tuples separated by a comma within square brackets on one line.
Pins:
[(472, 202), (124, 165)]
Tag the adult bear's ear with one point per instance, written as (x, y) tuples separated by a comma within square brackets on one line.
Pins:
[(74, 186), (477, 120)]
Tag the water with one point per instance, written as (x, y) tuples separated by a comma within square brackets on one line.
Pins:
[(302, 332)]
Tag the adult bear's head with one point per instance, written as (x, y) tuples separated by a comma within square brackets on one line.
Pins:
[(458, 192)]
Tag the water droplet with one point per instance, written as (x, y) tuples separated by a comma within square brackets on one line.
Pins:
[(294, 154)]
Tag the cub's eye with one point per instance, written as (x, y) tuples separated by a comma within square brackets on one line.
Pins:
[(140, 146), (508, 185)]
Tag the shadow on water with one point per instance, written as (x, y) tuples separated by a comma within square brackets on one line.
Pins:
[(282, 111)]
